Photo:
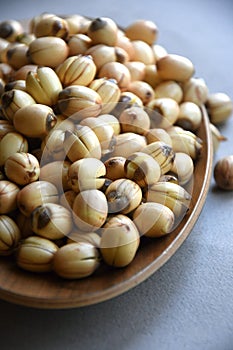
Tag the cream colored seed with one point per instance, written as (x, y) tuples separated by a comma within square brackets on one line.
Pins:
[(8, 196), (143, 90), (103, 54), (82, 143), (104, 133), (128, 143), (35, 194), (51, 26), (142, 168), (153, 219), (76, 260), (4, 60), (159, 51), (134, 119), (195, 90), (43, 118), (158, 134), (144, 30), (175, 67), (36, 19), (57, 173), (43, 85), (183, 167), (169, 89), (77, 70), (13, 100), (117, 71), (119, 241), (78, 44), (186, 141), (77, 23), (48, 51), (16, 55), (142, 52), (10, 29), (11, 143), (36, 254), (108, 91), (127, 99), (85, 174), (9, 235), (136, 69), (103, 30), (90, 210), (151, 75), (112, 121), (79, 102), (115, 168), (22, 168), (219, 107), (163, 112), (172, 195), (123, 196), (51, 221), (162, 153), (190, 116), (52, 146)]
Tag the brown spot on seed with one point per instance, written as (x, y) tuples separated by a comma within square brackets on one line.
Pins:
[(43, 217), (97, 24)]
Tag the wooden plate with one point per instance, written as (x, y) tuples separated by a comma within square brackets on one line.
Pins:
[(49, 291)]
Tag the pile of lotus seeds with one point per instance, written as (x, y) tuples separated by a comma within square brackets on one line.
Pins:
[(98, 141)]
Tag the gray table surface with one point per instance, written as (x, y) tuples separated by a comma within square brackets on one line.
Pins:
[(188, 303)]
